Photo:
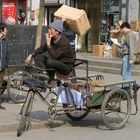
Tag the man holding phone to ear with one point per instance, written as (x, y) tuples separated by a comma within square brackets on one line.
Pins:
[(55, 53)]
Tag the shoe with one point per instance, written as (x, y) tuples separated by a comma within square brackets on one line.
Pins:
[(1, 107), (137, 86)]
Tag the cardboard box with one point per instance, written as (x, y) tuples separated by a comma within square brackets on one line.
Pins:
[(81, 86), (98, 50), (76, 18), (135, 25)]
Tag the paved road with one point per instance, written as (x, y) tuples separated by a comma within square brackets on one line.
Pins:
[(91, 127)]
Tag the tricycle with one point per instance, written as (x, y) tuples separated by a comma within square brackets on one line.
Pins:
[(76, 99)]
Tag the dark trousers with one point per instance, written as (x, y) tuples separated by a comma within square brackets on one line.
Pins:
[(1, 80), (45, 62)]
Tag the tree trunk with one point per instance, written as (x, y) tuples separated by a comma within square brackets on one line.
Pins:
[(39, 27), (139, 26)]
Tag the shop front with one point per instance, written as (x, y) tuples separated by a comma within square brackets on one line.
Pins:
[(11, 9)]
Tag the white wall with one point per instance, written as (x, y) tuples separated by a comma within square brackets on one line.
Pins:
[(133, 10)]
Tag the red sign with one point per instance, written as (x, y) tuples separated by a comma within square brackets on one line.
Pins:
[(9, 11)]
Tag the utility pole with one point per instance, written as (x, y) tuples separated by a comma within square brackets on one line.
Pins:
[(139, 26), (39, 27)]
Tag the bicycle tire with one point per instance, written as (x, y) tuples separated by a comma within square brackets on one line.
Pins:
[(77, 114), (15, 88), (116, 109), (25, 114)]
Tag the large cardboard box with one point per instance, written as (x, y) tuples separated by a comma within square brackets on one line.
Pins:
[(76, 18), (98, 50)]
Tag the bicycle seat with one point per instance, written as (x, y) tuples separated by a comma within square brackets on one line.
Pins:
[(34, 83)]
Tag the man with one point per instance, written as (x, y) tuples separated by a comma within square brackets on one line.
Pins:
[(129, 50), (55, 53), (4, 56), (71, 37)]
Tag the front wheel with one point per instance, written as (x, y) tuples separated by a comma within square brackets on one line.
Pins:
[(25, 114), (116, 108)]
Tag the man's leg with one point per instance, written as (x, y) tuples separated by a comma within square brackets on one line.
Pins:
[(58, 66), (126, 68), (40, 61), (1, 80)]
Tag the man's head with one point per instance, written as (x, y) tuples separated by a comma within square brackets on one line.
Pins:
[(56, 27), (125, 27), (3, 30)]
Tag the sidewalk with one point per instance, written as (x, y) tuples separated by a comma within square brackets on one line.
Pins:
[(9, 118)]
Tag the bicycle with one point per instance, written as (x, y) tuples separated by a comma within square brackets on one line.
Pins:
[(113, 100)]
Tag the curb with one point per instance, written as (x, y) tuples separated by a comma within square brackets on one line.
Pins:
[(34, 124)]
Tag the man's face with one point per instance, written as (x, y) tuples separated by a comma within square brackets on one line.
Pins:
[(124, 30), (53, 32)]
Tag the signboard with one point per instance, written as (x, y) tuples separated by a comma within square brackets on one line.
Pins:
[(9, 11)]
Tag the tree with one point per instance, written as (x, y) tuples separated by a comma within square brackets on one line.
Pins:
[(139, 25), (40, 21)]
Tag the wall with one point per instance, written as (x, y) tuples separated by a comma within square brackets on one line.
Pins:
[(132, 12)]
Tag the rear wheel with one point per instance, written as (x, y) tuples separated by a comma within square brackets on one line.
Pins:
[(116, 108), (17, 91), (77, 114)]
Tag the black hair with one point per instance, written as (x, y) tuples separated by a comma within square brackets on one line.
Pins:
[(125, 24), (2, 26)]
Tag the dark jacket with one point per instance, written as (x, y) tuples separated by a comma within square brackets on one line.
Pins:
[(70, 36), (59, 50), (4, 54)]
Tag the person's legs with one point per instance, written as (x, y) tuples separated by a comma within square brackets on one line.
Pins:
[(1, 80), (40, 61), (126, 68), (58, 66)]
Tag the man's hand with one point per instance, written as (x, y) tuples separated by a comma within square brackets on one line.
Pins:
[(48, 39), (28, 59)]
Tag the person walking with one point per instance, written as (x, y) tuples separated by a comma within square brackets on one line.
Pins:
[(55, 53), (4, 54), (128, 50), (71, 37)]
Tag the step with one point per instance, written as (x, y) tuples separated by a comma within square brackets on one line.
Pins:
[(111, 70), (113, 63)]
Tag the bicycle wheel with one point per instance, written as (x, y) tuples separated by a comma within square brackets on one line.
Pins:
[(79, 113), (25, 114), (15, 88), (76, 115), (116, 108)]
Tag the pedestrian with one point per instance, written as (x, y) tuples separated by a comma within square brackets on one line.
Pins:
[(71, 37), (128, 50), (4, 55), (21, 18), (55, 53)]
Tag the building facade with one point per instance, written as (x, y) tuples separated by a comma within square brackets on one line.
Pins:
[(102, 15)]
